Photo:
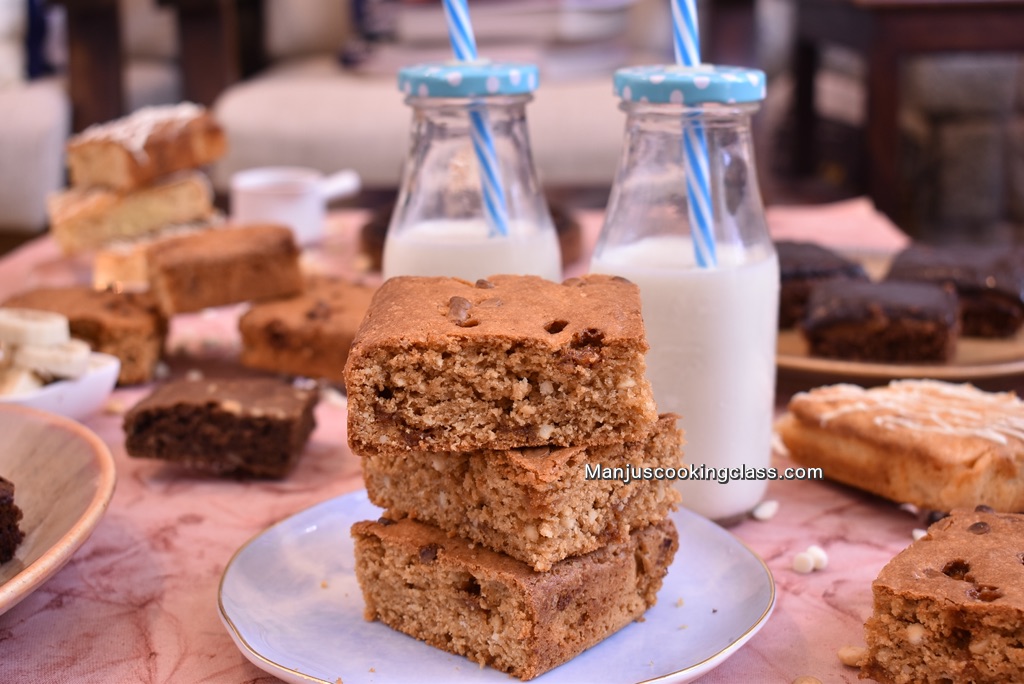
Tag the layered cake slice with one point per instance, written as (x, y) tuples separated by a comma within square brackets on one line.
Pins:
[(885, 322), (933, 444), (498, 611), (244, 426), (538, 504), (950, 607), (802, 265), (88, 218), (152, 142), (309, 334), (989, 280), (441, 364)]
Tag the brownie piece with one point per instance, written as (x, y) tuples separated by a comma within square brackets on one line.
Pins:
[(989, 280), (937, 445), (309, 334), (10, 515), (497, 611), (441, 364), (127, 325), (224, 266), (539, 504), (801, 266), (246, 426), (950, 607), (887, 322)]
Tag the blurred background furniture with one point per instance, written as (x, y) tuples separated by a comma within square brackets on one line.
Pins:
[(885, 34)]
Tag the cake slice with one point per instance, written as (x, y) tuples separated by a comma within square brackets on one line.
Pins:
[(497, 611), (224, 266), (442, 364), (950, 607), (151, 142), (88, 218), (989, 280), (124, 324), (889, 322), (802, 265), (11, 534), (244, 426), (933, 444), (309, 334), (539, 505)]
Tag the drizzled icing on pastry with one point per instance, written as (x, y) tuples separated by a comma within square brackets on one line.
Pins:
[(931, 406), (133, 130)]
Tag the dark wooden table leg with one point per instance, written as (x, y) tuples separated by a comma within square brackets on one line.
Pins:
[(208, 33), (95, 61), (805, 117), (883, 132)]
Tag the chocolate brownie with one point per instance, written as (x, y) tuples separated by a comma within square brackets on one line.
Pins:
[(442, 364), (886, 322), (497, 611), (989, 280), (224, 266), (801, 266), (246, 426), (538, 505), (308, 334), (950, 607), (127, 325), (10, 515)]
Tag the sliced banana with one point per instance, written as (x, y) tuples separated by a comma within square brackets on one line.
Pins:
[(33, 326), (67, 360), (15, 381)]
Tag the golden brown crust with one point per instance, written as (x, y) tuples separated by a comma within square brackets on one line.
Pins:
[(309, 334), (498, 611), (537, 505), (87, 218), (133, 151), (441, 364), (950, 607), (126, 325), (933, 444), (224, 266)]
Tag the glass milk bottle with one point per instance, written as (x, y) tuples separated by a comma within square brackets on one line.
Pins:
[(708, 273), (470, 204)]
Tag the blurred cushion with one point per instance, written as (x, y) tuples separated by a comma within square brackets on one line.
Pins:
[(36, 120), (13, 15), (296, 28)]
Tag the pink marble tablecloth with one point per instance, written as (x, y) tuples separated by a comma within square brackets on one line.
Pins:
[(138, 602)]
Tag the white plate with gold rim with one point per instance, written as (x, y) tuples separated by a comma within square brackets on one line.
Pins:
[(290, 601)]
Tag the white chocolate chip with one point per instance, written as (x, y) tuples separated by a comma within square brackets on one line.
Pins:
[(852, 656), (803, 563), (231, 406), (918, 533), (626, 383), (545, 431), (978, 647), (765, 510), (819, 556), (194, 374), (546, 388), (915, 633)]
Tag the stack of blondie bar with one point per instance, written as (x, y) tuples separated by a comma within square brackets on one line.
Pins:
[(498, 424)]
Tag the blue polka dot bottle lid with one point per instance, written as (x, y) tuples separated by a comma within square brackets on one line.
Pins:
[(690, 85), (468, 79)]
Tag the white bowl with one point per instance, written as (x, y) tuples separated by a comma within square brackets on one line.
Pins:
[(76, 398)]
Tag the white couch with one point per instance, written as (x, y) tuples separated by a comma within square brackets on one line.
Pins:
[(306, 109)]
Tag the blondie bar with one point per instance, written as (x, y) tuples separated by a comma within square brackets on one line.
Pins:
[(442, 364)]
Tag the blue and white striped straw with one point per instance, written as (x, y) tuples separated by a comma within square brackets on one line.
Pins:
[(460, 32), (686, 41)]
